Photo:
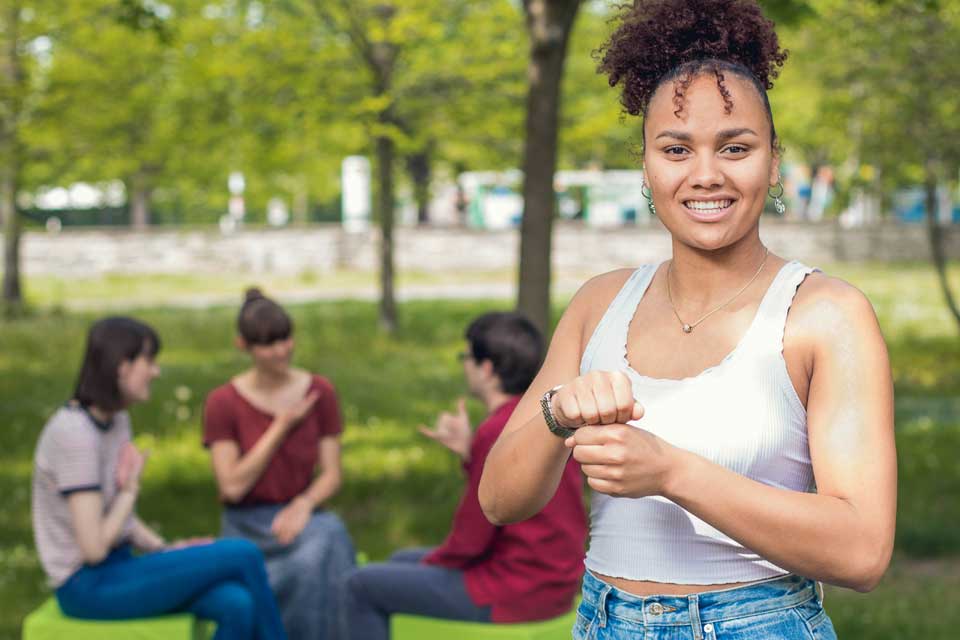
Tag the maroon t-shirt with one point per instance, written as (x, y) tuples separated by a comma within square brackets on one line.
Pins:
[(229, 416), (526, 571)]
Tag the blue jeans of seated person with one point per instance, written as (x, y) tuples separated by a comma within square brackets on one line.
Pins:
[(786, 608), (403, 585), (304, 575), (224, 581)]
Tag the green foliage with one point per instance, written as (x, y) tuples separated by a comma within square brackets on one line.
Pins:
[(868, 83), (174, 96)]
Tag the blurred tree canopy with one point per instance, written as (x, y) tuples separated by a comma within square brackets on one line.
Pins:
[(171, 96)]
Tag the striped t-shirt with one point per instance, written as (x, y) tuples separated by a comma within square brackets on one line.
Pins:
[(74, 453)]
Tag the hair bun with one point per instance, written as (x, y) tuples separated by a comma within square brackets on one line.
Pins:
[(656, 37), (253, 293)]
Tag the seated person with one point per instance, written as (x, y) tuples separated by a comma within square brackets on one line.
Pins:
[(86, 480), (267, 430), (483, 573)]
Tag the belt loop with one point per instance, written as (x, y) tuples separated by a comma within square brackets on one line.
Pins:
[(693, 609), (819, 592), (602, 606)]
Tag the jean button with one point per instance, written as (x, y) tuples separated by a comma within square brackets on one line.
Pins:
[(708, 628), (656, 608)]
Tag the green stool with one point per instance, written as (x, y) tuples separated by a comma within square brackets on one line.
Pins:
[(48, 623), (403, 627)]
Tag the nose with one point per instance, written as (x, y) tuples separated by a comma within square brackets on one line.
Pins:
[(705, 172)]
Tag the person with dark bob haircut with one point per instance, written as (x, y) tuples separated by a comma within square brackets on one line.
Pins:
[(270, 429), (86, 480), (731, 410), (485, 573)]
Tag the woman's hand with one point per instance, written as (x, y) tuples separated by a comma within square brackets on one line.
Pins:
[(624, 461), (189, 542), (291, 520), (291, 417), (599, 397), (129, 467)]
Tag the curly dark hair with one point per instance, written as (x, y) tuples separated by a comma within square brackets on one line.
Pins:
[(663, 40)]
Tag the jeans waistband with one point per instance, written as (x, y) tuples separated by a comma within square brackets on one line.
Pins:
[(708, 606)]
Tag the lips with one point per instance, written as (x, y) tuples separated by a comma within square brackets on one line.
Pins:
[(709, 210)]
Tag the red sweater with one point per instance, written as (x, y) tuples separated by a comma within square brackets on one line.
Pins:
[(526, 571)]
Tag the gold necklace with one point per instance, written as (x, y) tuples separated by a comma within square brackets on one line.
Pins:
[(687, 328)]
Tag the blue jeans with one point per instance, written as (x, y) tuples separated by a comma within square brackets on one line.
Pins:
[(224, 581), (786, 608), (403, 585), (304, 574)]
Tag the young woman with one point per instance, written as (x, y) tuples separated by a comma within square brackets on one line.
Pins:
[(731, 410), (268, 429), (86, 479)]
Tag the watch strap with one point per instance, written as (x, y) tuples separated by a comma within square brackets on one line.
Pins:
[(548, 417)]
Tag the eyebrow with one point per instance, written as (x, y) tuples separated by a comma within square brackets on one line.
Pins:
[(726, 134)]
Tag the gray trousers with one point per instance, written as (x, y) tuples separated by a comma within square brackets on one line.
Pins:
[(403, 585), (304, 575)]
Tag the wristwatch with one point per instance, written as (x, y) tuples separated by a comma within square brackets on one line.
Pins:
[(548, 417)]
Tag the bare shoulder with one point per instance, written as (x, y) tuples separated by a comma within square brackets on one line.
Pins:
[(827, 310), (588, 305), (601, 289)]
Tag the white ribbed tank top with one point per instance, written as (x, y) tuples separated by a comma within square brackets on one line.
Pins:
[(743, 414)]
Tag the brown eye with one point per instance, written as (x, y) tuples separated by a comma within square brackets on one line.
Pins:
[(736, 148)]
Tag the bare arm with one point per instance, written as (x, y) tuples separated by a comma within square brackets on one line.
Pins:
[(524, 467), (844, 533), (97, 533), (235, 473), (327, 482), (144, 538)]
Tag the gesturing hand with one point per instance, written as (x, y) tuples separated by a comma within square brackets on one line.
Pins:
[(290, 521), (624, 461), (453, 431), (599, 397), (291, 417), (129, 467)]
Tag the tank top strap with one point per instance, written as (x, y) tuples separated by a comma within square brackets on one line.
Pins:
[(615, 322), (771, 317)]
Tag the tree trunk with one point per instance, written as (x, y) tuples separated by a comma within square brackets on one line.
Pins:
[(937, 253), (418, 166), (549, 23), (385, 202), (139, 199), (12, 294), (12, 78)]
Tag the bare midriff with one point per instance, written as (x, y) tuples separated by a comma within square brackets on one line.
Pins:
[(643, 588)]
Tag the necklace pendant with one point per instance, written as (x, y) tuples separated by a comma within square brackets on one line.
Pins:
[(687, 328)]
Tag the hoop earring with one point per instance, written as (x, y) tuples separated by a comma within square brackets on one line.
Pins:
[(649, 196), (778, 198)]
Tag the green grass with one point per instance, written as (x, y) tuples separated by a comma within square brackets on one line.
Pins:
[(133, 290), (400, 489)]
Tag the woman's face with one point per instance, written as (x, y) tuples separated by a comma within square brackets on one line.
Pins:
[(135, 376), (273, 358), (708, 170)]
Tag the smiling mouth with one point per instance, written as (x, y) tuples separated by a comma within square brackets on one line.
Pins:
[(707, 205)]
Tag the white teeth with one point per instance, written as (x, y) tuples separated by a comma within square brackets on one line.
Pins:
[(708, 205)]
